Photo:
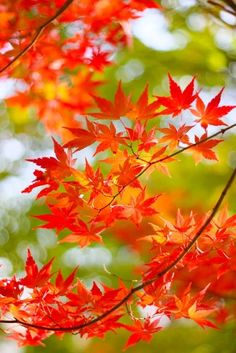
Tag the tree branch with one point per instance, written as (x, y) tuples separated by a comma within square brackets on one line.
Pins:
[(222, 131), (223, 7), (38, 33), (143, 284)]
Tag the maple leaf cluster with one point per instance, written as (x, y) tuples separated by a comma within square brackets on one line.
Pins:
[(172, 285), (86, 201), (89, 201), (78, 40), (211, 256), (52, 305)]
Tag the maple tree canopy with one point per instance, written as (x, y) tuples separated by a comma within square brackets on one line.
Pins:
[(58, 51)]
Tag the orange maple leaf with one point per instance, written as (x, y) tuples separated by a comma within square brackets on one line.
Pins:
[(204, 149), (121, 106), (142, 109), (175, 135)]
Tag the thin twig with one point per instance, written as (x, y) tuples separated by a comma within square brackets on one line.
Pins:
[(37, 34), (143, 284), (137, 155)]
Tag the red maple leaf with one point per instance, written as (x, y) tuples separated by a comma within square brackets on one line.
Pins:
[(59, 218), (11, 289), (138, 133), (99, 59), (56, 169), (63, 285), (35, 277), (84, 234), (30, 338), (179, 100), (108, 137), (84, 138), (142, 331), (212, 113)]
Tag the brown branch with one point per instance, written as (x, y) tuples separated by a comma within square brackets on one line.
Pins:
[(137, 155), (37, 34), (222, 131), (224, 7), (142, 285)]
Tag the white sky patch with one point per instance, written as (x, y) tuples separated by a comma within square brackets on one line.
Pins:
[(127, 255), (228, 18), (130, 71), (5, 267), (10, 347), (12, 149), (187, 3), (8, 87), (152, 30), (150, 311), (224, 38), (11, 186), (97, 256), (196, 22), (46, 238), (4, 236)]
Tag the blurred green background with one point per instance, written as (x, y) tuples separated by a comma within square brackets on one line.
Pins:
[(186, 39)]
